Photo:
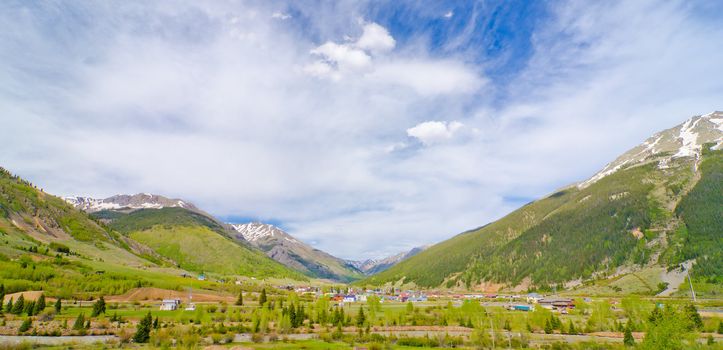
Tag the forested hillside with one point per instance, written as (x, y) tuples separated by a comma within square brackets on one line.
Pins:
[(659, 204)]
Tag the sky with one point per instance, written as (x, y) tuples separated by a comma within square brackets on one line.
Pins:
[(363, 128)]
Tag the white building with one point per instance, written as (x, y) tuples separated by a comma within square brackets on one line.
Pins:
[(170, 304)]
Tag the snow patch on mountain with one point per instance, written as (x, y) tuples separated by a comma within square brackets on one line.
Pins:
[(124, 201), (684, 140), (254, 231)]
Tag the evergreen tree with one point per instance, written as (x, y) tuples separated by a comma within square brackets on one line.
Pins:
[(143, 331), (507, 325), (58, 305), (25, 326), (240, 300), (19, 305), (29, 308), (155, 323), (9, 306), (79, 323), (628, 339), (98, 307), (692, 314), (262, 298), (2, 297), (40, 304), (292, 316), (360, 317), (548, 327), (571, 328), (720, 327)]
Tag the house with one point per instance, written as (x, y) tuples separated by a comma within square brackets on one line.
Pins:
[(170, 304), (557, 303), (349, 298), (533, 298)]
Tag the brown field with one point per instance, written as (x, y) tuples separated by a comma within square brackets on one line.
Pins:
[(148, 293)]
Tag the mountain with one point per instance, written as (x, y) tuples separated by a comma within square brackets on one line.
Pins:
[(656, 206), (129, 202), (373, 266), (194, 241), (295, 254)]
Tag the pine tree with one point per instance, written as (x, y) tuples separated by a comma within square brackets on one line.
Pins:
[(2, 297), (19, 305), (240, 300), (155, 323), (58, 305), (720, 327), (29, 308), (79, 323), (548, 327), (360, 317), (507, 325), (143, 331), (692, 313), (262, 298), (571, 328), (628, 339), (9, 306), (25, 326), (98, 307), (40, 304)]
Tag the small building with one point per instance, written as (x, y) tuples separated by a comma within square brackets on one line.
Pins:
[(533, 298), (201, 277), (170, 304), (557, 303), (349, 298), (523, 308), (191, 307)]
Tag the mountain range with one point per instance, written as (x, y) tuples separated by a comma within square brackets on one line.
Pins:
[(655, 207), (296, 254), (372, 266)]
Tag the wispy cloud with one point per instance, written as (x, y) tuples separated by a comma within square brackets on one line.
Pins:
[(232, 107)]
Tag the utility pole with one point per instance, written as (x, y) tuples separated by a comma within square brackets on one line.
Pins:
[(692, 291)]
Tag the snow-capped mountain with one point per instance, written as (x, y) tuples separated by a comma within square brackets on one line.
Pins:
[(124, 201), (294, 253), (684, 140), (372, 266)]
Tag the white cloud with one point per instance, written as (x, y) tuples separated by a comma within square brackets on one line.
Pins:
[(448, 14), (344, 56), (220, 106), (432, 132), (429, 77), (280, 15), (376, 39)]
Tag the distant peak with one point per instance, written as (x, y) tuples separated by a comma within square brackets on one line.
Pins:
[(254, 231), (125, 201), (684, 140)]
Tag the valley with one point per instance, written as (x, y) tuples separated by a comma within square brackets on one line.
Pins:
[(630, 256)]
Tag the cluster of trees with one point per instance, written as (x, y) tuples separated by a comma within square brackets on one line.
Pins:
[(21, 306), (701, 209)]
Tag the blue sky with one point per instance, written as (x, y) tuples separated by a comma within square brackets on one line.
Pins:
[(365, 128)]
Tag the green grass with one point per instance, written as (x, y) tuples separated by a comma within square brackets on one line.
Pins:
[(198, 248)]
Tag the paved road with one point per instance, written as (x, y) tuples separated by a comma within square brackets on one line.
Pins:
[(89, 339)]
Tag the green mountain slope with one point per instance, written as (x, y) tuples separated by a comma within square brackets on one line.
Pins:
[(657, 205), (195, 242), (294, 253), (45, 243)]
